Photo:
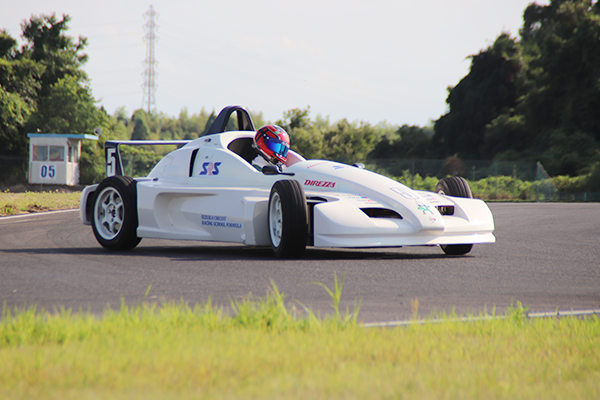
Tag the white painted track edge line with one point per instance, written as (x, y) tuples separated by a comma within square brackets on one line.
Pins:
[(573, 313), (37, 214)]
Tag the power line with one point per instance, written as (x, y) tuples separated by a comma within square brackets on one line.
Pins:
[(149, 74), (104, 24)]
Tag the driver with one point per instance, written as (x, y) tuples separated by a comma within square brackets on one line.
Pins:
[(272, 143)]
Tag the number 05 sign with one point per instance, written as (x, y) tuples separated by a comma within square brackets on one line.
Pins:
[(48, 171)]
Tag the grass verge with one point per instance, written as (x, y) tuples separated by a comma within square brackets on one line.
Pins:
[(265, 350), (18, 203)]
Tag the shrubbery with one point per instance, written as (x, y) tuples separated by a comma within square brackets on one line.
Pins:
[(511, 188)]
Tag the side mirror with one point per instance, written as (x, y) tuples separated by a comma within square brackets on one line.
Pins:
[(273, 170), (270, 170)]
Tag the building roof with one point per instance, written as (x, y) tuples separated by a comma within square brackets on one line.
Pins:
[(63, 135)]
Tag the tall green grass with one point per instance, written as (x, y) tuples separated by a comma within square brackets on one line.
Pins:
[(16, 203), (265, 349)]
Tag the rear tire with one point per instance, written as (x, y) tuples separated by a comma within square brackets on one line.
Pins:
[(458, 187), (114, 216), (288, 219)]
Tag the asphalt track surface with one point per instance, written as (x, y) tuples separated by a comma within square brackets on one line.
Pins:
[(547, 257)]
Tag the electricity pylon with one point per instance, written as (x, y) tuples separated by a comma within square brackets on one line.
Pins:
[(149, 86)]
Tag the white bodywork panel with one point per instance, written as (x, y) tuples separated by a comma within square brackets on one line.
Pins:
[(204, 191)]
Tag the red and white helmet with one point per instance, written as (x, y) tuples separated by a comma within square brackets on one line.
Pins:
[(273, 143)]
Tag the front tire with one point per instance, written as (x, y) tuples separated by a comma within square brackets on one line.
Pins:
[(114, 216), (458, 187), (288, 219)]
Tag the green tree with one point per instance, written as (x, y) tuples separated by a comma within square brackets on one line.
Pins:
[(561, 43), (406, 142), (68, 107), (43, 88), (7, 44), (305, 137), (296, 118), (257, 118), (341, 141), (47, 44), (535, 99), (350, 142), (506, 138), (490, 89), (141, 131), (561, 46), (18, 93)]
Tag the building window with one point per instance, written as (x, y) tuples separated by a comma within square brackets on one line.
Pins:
[(48, 153), (57, 153), (72, 155), (40, 153)]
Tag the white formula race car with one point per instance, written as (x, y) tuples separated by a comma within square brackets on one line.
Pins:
[(209, 190)]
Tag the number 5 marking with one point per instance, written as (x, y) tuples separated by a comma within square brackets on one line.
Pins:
[(111, 162)]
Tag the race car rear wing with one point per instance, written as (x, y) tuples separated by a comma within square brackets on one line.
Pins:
[(114, 164)]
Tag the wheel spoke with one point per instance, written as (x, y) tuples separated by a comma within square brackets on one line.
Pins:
[(119, 213)]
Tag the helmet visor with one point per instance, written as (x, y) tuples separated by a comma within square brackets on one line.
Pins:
[(277, 146)]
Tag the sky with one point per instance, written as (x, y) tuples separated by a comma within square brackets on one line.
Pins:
[(373, 61)]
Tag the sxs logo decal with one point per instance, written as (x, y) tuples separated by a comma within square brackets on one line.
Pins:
[(210, 168)]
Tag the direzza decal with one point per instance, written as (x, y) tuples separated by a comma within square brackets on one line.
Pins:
[(326, 184), (210, 168)]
